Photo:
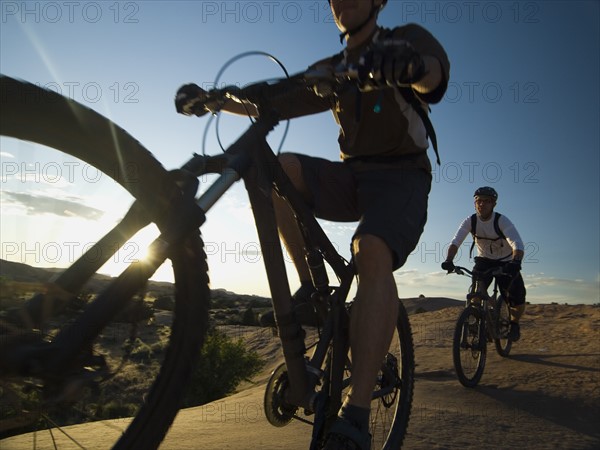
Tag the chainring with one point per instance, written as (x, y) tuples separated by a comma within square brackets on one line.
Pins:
[(278, 412)]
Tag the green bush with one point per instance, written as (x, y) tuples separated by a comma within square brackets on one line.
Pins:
[(222, 366), (115, 409), (164, 303), (141, 352), (249, 317)]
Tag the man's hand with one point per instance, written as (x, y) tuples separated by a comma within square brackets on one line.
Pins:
[(512, 268), (448, 266), (392, 62), (190, 100)]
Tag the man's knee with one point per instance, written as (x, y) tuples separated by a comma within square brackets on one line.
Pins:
[(292, 167), (372, 253), (517, 291)]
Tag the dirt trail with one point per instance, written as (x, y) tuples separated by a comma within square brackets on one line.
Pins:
[(545, 396)]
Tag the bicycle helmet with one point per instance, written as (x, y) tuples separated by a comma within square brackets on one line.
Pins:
[(487, 191)]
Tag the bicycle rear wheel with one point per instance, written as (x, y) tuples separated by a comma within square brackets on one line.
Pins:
[(469, 347), (393, 394), (30, 113), (503, 343)]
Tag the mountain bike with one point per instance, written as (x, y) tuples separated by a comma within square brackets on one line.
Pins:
[(484, 319), (50, 360)]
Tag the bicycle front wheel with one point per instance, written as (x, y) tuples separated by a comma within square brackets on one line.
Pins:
[(393, 394), (94, 381), (469, 347), (502, 314)]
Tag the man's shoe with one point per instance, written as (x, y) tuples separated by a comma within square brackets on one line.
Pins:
[(303, 309), (345, 436), (514, 334)]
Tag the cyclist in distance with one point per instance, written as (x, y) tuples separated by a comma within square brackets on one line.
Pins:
[(382, 181), (498, 245)]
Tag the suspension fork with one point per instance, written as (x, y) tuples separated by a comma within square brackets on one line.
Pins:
[(485, 332), (184, 217), (340, 347)]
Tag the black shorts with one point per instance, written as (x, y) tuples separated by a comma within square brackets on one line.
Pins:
[(513, 288), (389, 203)]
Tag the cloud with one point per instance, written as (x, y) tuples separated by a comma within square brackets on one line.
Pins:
[(41, 204), (541, 288), (541, 280)]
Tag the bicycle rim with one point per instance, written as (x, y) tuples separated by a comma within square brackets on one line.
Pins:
[(503, 344), (153, 420), (390, 413), (469, 347), (33, 114)]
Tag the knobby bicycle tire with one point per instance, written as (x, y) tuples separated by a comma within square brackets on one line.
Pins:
[(469, 347), (192, 294), (503, 345), (393, 393), (398, 431), (37, 115), (390, 414)]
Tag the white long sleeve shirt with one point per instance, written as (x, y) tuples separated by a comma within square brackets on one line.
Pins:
[(488, 246)]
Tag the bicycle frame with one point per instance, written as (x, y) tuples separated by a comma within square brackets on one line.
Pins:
[(483, 320), (251, 159), (65, 356), (478, 298)]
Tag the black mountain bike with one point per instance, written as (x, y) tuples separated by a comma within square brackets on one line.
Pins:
[(50, 351), (484, 319)]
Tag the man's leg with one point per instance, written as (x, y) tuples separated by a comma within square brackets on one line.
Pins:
[(516, 312), (515, 293), (286, 222), (518, 292), (374, 316)]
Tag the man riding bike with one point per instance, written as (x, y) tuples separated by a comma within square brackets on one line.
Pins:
[(383, 180), (498, 245)]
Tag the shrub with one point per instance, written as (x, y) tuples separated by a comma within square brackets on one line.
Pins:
[(115, 409), (165, 303), (222, 366), (249, 317), (141, 352), (137, 310)]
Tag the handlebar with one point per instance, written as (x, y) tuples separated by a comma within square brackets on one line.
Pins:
[(494, 271), (325, 82)]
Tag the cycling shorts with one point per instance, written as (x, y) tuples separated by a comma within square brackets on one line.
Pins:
[(390, 203), (513, 288)]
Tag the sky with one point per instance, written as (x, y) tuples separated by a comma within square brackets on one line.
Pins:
[(521, 114)]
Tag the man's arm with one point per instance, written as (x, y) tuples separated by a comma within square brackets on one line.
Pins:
[(436, 64), (517, 255), (512, 237), (432, 78), (452, 251), (459, 237)]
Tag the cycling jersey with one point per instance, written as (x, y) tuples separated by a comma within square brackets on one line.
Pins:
[(379, 123), (488, 245)]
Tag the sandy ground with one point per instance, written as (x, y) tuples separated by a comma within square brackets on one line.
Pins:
[(545, 396)]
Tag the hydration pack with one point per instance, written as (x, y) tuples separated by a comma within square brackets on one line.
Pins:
[(496, 229)]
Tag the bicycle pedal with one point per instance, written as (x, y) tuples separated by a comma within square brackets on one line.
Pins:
[(308, 412)]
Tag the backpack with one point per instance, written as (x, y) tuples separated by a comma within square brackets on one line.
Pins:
[(474, 230), (419, 107)]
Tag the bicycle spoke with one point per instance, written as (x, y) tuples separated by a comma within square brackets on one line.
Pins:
[(392, 397), (59, 428), (90, 386), (502, 343), (469, 347)]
